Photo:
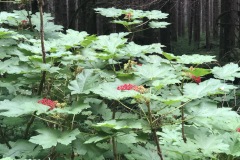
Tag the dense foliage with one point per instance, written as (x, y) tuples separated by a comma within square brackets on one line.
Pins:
[(105, 97)]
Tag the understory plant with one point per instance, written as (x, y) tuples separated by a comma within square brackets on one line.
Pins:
[(78, 96)]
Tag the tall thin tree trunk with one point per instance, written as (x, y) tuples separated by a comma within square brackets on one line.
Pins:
[(203, 11), (61, 12), (227, 34), (190, 21), (197, 23), (174, 20), (207, 18), (165, 32), (180, 18), (215, 15)]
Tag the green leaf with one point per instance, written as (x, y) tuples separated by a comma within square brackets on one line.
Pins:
[(126, 23), (8, 65), (156, 14), (207, 114), (118, 124), (195, 59), (12, 89), (71, 38), (84, 82), (103, 110), (199, 71), (87, 151), (109, 12), (21, 106), (7, 158), (76, 108), (143, 152), (126, 138), (22, 149), (155, 24), (49, 137), (96, 139), (110, 43), (88, 40), (209, 144), (169, 56), (135, 50), (227, 72), (208, 87), (109, 91), (5, 16), (49, 26), (151, 72), (232, 139), (172, 79)]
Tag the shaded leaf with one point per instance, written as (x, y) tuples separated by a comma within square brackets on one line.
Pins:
[(49, 137), (227, 72)]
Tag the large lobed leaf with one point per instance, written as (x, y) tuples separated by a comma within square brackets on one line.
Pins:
[(195, 59), (21, 106), (84, 82), (49, 137), (227, 72), (109, 91), (208, 87)]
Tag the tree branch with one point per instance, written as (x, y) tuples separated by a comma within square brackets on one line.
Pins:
[(3, 138), (41, 85)]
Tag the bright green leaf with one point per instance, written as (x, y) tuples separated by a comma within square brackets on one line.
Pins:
[(227, 72), (49, 137)]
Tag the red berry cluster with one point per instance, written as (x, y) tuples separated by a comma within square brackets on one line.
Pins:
[(125, 87), (24, 22), (238, 129), (196, 79), (48, 102)]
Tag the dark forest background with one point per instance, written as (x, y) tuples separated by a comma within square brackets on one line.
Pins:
[(197, 26)]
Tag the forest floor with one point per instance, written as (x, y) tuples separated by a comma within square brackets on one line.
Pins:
[(182, 47)]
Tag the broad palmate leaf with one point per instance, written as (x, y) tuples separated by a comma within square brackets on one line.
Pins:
[(227, 72), (109, 91), (21, 106), (208, 87), (109, 12), (22, 149), (209, 144), (84, 82), (76, 108), (195, 59), (120, 124), (110, 43), (151, 72), (49, 137)]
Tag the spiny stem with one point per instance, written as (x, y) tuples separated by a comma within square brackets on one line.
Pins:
[(113, 140), (4, 139), (30, 122), (154, 132), (40, 5), (183, 133)]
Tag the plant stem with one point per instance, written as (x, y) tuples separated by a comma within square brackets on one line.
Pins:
[(115, 155), (154, 132), (29, 16), (114, 148), (3, 138), (30, 122), (183, 134), (40, 5)]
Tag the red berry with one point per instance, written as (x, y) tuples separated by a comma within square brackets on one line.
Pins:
[(48, 102), (126, 87), (196, 79), (238, 129)]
